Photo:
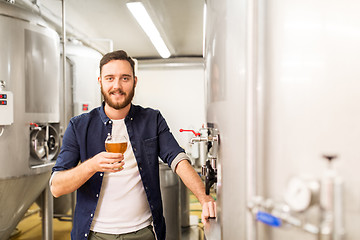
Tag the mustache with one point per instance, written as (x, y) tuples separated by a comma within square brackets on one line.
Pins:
[(117, 91)]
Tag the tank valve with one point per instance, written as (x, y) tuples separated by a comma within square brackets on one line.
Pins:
[(2, 85), (34, 126), (210, 172), (187, 130), (331, 202), (208, 169)]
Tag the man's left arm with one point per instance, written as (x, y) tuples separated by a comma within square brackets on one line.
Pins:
[(193, 181)]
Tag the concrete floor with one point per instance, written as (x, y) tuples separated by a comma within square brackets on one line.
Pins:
[(30, 228)]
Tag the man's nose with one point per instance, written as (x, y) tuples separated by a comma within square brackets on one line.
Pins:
[(117, 83)]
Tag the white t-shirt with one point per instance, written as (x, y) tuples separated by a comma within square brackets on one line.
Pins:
[(123, 205)]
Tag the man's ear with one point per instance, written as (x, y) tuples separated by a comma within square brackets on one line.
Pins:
[(99, 80), (135, 79)]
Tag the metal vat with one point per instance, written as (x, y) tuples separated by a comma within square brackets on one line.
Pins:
[(84, 72), (80, 94), (29, 68), (282, 84), (169, 184)]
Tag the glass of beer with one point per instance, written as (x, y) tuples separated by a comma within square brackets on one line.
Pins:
[(116, 143)]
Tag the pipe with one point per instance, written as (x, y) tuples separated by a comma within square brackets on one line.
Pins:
[(64, 58), (251, 112), (47, 215)]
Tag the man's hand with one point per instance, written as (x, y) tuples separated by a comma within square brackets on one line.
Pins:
[(193, 181), (67, 181), (106, 162), (208, 211)]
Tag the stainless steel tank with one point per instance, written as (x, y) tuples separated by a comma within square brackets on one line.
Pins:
[(169, 184), (225, 76), (81, 94), (85, 71), (282, 90), (29, 68)]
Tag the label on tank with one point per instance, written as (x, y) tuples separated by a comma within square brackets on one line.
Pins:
[(6, 108)]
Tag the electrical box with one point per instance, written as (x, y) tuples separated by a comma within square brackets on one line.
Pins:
[(6, 108)]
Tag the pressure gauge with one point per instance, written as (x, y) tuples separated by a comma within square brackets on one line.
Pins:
[(301, 193)]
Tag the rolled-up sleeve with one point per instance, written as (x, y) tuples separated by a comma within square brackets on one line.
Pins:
[(169, 147), (180, 157)]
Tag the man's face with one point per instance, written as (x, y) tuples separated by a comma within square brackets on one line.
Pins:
[(117, 83)]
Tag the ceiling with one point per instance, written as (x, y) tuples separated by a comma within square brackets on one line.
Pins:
[(96, 22)]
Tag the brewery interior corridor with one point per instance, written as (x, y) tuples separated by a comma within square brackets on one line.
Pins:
[(263, 96)]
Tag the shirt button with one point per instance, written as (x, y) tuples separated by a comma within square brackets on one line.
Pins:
[(152, 207), (109, 121), (140, 168), (146, 188), (134, 149), (85, 234), (91, 215), (131, 119), (97, 195), (101, 174)]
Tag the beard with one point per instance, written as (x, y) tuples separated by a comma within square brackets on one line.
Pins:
[(118, 105)]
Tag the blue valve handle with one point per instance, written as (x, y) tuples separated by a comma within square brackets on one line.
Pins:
[(268, 219)]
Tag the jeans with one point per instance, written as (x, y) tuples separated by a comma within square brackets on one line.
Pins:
[(146, 233)]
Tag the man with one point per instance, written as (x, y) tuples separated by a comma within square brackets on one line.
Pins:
[(118, 195)]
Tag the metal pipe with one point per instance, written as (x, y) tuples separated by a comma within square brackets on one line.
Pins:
[(64, 59), (251, 112), (47, 216), (47, 134)]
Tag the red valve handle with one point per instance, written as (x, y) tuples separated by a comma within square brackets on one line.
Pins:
[(34, 124), (195, 133)]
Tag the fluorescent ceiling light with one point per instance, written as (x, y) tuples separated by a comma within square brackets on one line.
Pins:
[(143, 18)]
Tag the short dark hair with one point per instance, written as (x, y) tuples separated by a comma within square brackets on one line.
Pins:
[(117, 55)]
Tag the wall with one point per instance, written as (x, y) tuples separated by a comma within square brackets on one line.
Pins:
[(177, 90)]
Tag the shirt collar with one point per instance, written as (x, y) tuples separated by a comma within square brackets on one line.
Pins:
[(105, 119)]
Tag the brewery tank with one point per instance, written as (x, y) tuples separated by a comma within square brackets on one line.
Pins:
[(281, 95), (80, 94), (29, 113), (84, 70), (175, 200), (169, 184)]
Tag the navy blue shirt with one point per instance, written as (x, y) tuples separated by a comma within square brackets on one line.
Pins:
[(150, 138)]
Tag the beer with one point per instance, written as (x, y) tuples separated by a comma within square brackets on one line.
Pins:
[(116, 143), (116, 147)]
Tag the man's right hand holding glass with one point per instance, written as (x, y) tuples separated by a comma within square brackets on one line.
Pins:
[(64, 182), (106, 162)]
